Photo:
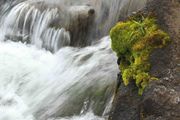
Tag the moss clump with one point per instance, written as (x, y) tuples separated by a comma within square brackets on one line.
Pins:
[(133, 41)]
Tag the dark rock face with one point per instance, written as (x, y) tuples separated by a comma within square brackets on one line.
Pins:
[(161, 100), (126, 104)]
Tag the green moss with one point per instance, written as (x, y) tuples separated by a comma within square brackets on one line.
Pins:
[(133, 41)]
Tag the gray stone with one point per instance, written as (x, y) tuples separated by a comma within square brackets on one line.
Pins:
[(161, 100)]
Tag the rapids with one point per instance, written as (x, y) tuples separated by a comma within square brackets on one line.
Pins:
[(38, 83), (44, 74)]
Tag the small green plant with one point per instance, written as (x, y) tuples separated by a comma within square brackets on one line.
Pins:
[(133, 41)]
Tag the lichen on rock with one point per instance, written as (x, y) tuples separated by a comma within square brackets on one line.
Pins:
[(133, 41)]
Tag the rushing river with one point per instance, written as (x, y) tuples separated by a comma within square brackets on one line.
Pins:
[(44, 73)]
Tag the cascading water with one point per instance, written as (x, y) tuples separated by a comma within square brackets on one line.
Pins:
[(41, 76), (48, 85), (29, 24)]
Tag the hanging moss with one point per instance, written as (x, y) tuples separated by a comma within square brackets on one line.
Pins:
[(133, 41)]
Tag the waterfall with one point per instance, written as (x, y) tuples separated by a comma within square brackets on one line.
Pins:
[(54, 66), (26, 23)]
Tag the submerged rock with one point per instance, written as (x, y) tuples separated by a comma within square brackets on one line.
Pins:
[(161, 99), (48, 25), (77, 21)]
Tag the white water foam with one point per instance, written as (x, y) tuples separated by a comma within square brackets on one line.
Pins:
[(72, 83), (36, 84)]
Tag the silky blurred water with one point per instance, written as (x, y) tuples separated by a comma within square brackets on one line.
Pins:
[(42, 77), (36, 84)]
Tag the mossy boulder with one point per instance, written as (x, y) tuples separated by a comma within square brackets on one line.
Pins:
[(133, 41)]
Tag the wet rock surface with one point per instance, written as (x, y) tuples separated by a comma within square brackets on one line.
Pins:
[(76, 19), (161, 100)]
